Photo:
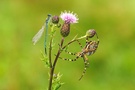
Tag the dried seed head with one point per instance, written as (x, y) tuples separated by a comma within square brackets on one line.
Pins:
[(65, 30), (90, 33), (55, 19)]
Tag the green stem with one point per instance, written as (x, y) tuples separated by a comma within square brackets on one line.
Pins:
[(73, 41), (50, 53), (54, 64), (50, 47)]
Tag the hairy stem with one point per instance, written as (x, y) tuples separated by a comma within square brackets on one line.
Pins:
[(54, 64)]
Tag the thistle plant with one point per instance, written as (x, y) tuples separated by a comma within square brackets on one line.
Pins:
[(88, 49)]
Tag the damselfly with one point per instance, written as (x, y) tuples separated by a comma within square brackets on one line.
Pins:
[(40, 32)]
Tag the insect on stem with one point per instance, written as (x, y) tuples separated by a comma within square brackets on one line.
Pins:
[(46, 31)]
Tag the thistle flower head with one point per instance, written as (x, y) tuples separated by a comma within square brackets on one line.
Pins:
[(69, 17)]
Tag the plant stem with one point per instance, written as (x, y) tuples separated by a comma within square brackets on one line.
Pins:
[(50, 52), (68, 44), (54, 64), (50, 47), (73, 41)]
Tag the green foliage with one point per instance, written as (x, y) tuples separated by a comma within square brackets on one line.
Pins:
[(45, 59), (56, 83)]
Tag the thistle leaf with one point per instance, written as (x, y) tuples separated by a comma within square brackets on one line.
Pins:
[(56, 84), (45, 59)]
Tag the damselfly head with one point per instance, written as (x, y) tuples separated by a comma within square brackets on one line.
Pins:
[(49, 15)]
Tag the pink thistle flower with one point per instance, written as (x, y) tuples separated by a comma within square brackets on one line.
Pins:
[(69, 17)]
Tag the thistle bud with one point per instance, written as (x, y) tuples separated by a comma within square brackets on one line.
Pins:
[(90, 33), (65, 30), (55, 19)]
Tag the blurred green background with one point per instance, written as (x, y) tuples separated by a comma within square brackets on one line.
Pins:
[(112, 67)]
